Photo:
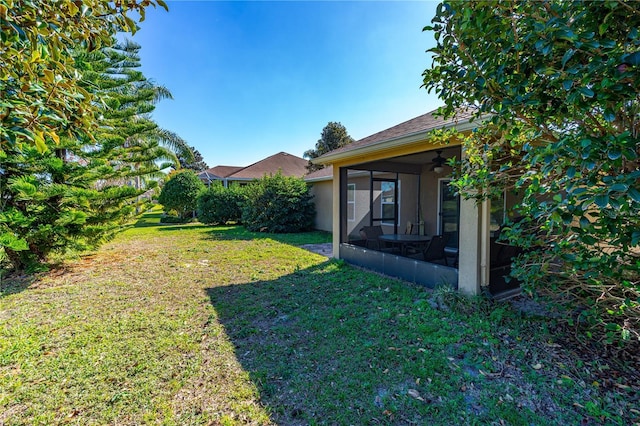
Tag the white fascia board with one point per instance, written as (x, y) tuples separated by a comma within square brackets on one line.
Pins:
[(319, 179)]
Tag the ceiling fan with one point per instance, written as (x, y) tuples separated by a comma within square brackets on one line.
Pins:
[(438, 162)]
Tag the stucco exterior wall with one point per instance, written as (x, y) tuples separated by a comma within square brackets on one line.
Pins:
[(322, 192)]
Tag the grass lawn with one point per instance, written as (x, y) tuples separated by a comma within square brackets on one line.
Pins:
[(189, 325)]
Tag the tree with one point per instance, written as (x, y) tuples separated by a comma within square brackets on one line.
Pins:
[(50, 202), (81, 190), (196, 164), (334, 135), (278, 204), (219, 204), (560, 82), (139, 147), (41, 96), (181, 192)]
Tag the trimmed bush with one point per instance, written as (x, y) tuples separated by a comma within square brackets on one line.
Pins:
[(219, 205), (180, 193), (278, 204)]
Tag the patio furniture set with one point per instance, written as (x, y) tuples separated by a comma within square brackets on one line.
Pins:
[(420, 247)]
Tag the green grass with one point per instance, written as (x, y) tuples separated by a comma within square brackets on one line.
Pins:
[(189, 324)]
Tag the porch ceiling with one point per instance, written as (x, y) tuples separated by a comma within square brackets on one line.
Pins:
[(411, 163)]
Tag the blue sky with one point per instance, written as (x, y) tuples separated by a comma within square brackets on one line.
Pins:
[(253, 78)]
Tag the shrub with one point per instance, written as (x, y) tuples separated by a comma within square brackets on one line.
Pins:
[(220, 205), (180, 193), (278, 204)]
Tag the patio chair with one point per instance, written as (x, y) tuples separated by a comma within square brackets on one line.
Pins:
[(409, 229), (370, 234), (434, 252), (412, 248)]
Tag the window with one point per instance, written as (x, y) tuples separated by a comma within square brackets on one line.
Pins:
[(351, 202), (388, 202), (498, 210)]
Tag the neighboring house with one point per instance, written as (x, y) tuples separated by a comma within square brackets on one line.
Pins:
[(398, 176), (287, 164), (217, 173)]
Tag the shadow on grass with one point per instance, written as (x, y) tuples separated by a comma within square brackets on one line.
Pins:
[(233, 231), (148, 220), (328, 344), (238, 232), (12, 283)]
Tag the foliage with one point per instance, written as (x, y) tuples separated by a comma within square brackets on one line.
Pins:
[(51, 204), (79, 191), (128, 98), (278, 204), (181, 192), (334, 135), (558, 84), (196, 163), (219, 205), (42, 99)]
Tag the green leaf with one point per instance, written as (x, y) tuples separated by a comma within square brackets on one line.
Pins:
[(609, 115), (567, 84), (614, 153), (602, 28), (163, 4), (40, 143), (619, 187), (632, 58), (634, 194), (586, 92), (11, 242), (602, 201), (567, 55)]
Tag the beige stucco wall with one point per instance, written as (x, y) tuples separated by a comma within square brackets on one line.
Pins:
[(323, 199)]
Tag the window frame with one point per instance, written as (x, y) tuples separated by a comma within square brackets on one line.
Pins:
[(351, 193)]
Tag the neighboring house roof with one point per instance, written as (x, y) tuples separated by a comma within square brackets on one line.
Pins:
[(410, 131), (320, 175), (288, 164), (218, 172), (225, 171)]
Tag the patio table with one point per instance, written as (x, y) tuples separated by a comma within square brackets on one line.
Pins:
[(404, 240)]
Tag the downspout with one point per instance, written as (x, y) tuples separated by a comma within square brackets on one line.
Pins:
[(485, 223), (484, 243)]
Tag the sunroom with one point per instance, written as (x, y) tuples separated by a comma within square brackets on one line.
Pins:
[(396, 212)]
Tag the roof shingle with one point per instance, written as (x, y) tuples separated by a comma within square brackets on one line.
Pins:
[(420, 124), (288, 164)]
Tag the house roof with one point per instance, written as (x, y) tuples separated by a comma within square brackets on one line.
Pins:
[(288, 164), (408, 131), (320, 175), (219, 172)]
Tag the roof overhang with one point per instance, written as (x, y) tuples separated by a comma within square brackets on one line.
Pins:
[(319, 179), (395, 143)]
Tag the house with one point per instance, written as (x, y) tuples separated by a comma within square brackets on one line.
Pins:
[(287, 164), (218, 173), (400, 177)]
